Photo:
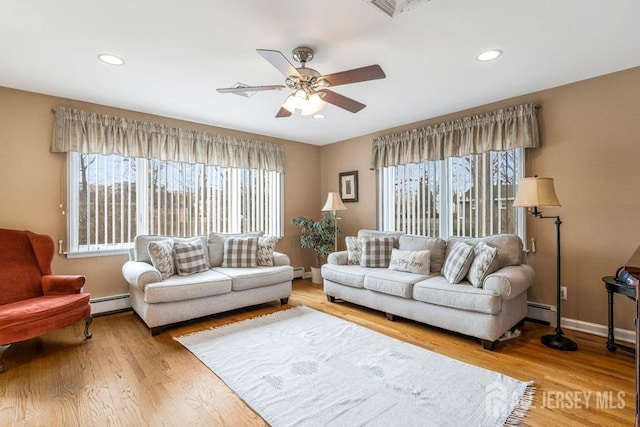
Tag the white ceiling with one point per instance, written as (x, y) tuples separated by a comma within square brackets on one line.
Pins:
[(178, 52)]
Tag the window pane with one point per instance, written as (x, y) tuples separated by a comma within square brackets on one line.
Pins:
[(469, 196), (176, 199)]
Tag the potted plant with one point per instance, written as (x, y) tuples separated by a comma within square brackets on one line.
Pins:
[(318, 235)]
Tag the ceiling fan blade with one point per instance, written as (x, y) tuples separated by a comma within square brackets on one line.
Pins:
[(372, 72), (342, 101), (250, 88), (283, 112), (278, 60)]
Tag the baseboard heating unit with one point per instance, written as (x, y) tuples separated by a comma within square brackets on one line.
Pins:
[(298, 272)]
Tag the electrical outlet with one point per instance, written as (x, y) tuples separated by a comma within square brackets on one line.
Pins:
[(563, 292)]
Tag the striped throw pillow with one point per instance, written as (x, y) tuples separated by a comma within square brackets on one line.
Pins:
[(458, 262), (189, 258), (240, 252)]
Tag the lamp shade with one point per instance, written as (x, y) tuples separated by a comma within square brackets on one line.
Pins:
[(536, 192), (334, 203)]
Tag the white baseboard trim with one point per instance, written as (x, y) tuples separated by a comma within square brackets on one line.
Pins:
[(110, 303), (306, 275), (547, 313)]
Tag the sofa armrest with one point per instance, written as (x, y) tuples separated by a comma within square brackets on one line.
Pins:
[(139, 274), (338, 258), (280, 259), (510, 281), (61, 284)]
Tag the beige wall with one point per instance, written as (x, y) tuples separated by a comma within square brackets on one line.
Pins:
[(591, 147), (32, 182)]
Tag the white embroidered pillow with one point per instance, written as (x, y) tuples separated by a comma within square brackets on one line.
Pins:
[(161, 254), (410, 261), (484, 263)]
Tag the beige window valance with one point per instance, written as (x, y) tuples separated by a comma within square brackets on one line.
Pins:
[(84, 132), (499, 130)]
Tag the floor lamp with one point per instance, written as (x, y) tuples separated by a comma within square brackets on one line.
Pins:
[(534, 192), (333, 204)]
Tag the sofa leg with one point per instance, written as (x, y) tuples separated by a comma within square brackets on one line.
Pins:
[(488, 345), (156, 330), (390, 317), (331, 299), (3, 350), (87, 323), (284, 301)]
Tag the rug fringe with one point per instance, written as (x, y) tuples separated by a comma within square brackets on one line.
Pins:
[(243, 324), (518, 414)]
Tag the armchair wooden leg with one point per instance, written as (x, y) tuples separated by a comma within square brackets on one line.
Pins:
[(87, 323), (3, 350)]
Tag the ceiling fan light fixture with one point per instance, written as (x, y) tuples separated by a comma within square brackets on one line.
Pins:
[(314, 105), (289, 104)]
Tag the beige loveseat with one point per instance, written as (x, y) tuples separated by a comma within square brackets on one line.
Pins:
[(494, 304), (161, 298)]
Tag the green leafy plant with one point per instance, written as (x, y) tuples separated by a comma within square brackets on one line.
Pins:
[(318, 235)]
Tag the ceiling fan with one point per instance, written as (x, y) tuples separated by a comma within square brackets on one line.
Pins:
[(309, 88)]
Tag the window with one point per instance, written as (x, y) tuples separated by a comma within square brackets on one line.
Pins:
[(113, 198), (461, 196)]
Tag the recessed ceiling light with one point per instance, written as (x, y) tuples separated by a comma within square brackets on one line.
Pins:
[(319, 116), (110, 59), (489, 55)]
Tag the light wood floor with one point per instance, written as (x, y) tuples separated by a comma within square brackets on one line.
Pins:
[(125, 377)]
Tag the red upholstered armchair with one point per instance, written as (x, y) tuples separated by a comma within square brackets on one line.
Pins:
[(32, 300)]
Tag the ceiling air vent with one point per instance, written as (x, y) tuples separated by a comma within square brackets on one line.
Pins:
[(394, 7)]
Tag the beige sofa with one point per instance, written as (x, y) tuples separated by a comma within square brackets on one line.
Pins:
[(161, 302), (495, 305)]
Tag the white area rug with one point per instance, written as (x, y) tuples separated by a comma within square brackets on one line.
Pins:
[(301, 367)]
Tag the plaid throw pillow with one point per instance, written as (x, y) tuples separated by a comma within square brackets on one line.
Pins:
[(240, 252), (458, 262), (376, 252), (189, 258)]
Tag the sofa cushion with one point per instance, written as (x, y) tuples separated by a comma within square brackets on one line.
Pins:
[(161, 256), (251, 278), (240, 252), (266, 246), (435, 245), (189, 257), (458, 262), (354, 250), (410, 261), (178, 288), (348, 275), (391, 282), (395, 235), (485, 262), (463, 296), (215, 244), (376, 252)]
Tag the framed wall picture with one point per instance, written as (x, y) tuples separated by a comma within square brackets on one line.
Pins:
[(348, 186)]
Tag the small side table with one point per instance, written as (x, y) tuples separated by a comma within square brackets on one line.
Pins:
[(613, 286)]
